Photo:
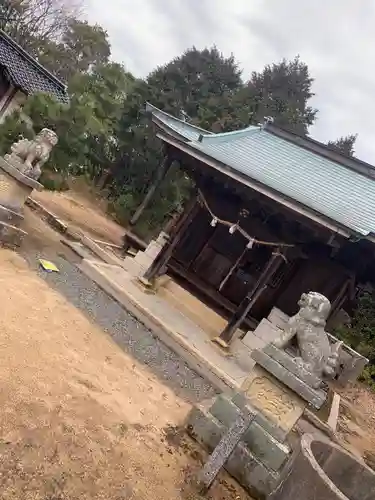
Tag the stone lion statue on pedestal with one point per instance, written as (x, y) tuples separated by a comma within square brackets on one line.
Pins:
[(315, 353), (30, 156)]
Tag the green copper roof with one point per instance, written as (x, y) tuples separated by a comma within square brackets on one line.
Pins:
[(181, 128), (328, 187)]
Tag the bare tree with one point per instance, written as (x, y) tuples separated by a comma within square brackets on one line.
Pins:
[(28, 21)]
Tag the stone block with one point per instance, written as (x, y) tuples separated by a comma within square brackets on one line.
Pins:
[(11, 236), (279, 433), (252, 341), (267, 331), (224, 410), (15, 187), (265, 447), (251, 472), (257, 479), (242, 354), (10, 217), (278, 318), (277, 373), (278, 403), (289, 362), (204, 428)]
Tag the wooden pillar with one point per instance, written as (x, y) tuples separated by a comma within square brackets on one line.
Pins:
[(276, 259), (161, 260)]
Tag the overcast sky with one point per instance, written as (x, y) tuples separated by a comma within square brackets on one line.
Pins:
[(336, 38)]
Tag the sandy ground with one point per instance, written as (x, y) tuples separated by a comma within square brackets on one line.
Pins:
[(82, 211), (81, 418), (356, 426)]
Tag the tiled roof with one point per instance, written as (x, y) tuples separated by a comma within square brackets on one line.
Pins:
[(326, 186), (26, 73)]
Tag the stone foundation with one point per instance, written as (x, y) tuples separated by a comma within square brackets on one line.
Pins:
[(260, 460)]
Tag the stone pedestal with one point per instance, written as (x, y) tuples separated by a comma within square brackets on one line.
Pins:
[(15, 188), (281, 406)]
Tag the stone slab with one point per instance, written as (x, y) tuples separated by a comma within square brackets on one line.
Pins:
[(19, 176), (265, 447), (250, 472), (241, 354), (252, 341), (290, 364), (224, 449), (10, 216), (271, 397), (267, 331), (11, 236), (279, 433), (312, 396), (171, 326), (278, 318)]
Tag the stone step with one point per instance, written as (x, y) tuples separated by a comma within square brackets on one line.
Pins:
[(9, 216), (11, 236)]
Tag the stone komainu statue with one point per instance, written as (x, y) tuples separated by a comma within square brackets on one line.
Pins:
[(315, 353), (30, 156)]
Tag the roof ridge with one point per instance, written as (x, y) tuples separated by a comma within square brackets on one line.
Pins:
[(150, 107), (229, 136), (31, 59)]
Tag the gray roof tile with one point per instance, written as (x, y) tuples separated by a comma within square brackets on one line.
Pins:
[(26, 73)]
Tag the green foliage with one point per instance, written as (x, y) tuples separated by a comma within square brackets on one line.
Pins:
[(12, 129), (360, 335), (81, 47), (57, 182), (344, 145)]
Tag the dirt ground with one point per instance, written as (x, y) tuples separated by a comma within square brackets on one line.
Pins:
[(79, 417), (84, 211), (356, 426)]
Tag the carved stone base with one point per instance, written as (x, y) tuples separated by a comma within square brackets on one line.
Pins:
[(284, 376), (291, 364), (281, 406)]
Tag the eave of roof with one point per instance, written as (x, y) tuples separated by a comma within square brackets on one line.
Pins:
[(178, 127), (188, 147), (60, 89)]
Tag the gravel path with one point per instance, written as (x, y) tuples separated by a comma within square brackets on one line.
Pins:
[(127, 332)]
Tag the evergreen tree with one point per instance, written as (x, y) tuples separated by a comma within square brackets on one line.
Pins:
[(344, 145)]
